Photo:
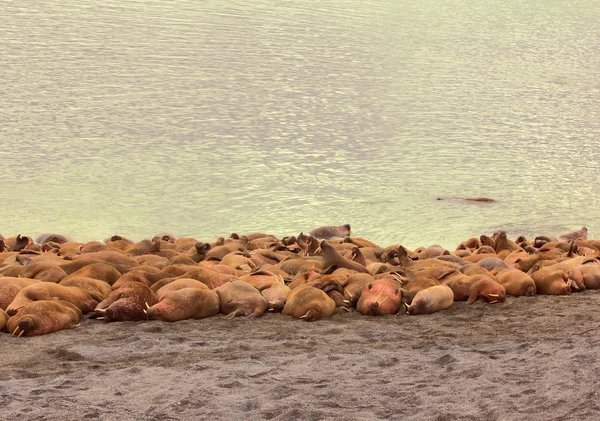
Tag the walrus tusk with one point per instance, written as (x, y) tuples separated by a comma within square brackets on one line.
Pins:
[(492, 302), (349, 293), (303, 317), (377, 299), (147, 306), (346, 301), (493, 295), (21, 333), (270, 309), (100, 318), (15, 331), (145, 311), (101, 310), (383, 301)]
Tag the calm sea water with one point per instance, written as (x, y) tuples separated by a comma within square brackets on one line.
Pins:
[(209, 117)]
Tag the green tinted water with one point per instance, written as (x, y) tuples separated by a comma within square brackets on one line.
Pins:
[(205, 118)]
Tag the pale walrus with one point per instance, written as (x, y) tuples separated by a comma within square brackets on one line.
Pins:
[(431, 300), (327, 232), (41, 317), (380, 297)]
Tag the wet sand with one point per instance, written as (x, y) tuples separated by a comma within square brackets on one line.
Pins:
[(530, 358)]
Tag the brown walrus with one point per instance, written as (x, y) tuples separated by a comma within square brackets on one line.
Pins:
[(477, 287), (185, 303), (580, 234), (127, 303), (431, 300), (276, 295), (48, 291), (332, 260), (383, 296), (327, 232), (101, 271), (516, 282), (95, 287), (10, 287), (308, 303), (178, 284), (54, 238), (3, 319), (45, 316), (239, 298), (418, 283), (552, 281)]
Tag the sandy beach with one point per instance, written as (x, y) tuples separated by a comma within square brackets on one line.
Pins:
[(530, 358)]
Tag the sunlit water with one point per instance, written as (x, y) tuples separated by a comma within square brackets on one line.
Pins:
[(209, 117)]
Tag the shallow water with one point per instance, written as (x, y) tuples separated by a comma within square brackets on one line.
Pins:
[(204, 118)]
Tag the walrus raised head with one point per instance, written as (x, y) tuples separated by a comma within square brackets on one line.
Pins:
[(328, 232), (580, 234)]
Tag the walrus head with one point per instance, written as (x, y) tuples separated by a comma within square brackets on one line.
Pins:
[(24, 326)]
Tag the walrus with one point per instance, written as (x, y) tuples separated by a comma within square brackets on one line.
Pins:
[(332, 260), (383, 296), (418, 283), (185, 303), (477, 287), (580, 234), (101, 271), (239, 298), (95, 287), (54, 238), (3, 319), (552, 281), (327, 232), (10, 287), (276, 295), (308, 303), (42, 317), (178, 284), (431, 300), (17, 243), (127, 303), (48, 291), (164, 236), (516, 282)]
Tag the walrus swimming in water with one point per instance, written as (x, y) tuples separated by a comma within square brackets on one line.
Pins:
[(328, 232), (41, 317)]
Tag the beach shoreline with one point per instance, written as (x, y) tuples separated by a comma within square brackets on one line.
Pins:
[(531, 358)]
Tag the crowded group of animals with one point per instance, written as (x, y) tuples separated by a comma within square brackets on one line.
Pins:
[(50, 284)]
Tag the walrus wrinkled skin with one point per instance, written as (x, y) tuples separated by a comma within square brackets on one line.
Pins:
[(327, 232), (239, 298), (48, 291), (127, 303), (431, 300), (10, 287), (309, 303), (185, 303), (383, 296), (42, 317)]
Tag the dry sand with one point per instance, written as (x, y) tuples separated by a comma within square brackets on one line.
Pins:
[(531, 358)]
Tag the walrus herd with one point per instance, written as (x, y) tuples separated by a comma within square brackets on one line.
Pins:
[(51, 283)]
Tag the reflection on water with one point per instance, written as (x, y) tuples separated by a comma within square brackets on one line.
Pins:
[(205, 118)]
